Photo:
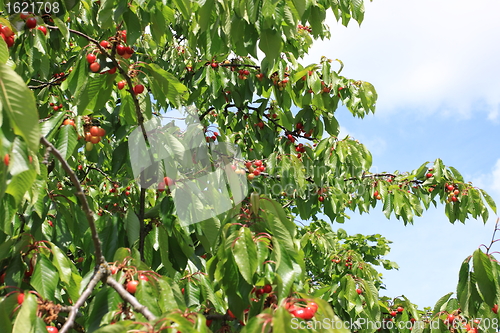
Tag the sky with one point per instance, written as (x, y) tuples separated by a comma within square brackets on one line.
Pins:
[(435, 66)]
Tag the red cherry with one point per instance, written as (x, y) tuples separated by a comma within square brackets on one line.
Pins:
[(257, 163), (450, 187), (321, 198), (120, 49), (95, 67), (256, 172), (431, 189), (143, 277), (31, 22), (132, 286), (313, 306), (495, 308), (6, 159), (169, 181), (20, 298), (43, 29), (429, 175), (450, 319), (94, 130), (113, 269), (104, 44), (400, 309), (359, 291), (9, 41), (112, 70), (69, 122), (102, 132), (124, 35), (454, 198), (121, 84), (129, 50), (138, 89), (267, 288), (375, 193), (51, 329), (209, 322), (393, 313), (91, 58), (303, 313), (456, 192), (214, 65)]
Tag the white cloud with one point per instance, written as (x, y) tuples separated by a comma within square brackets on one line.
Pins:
[(428, 54), (495, 184)]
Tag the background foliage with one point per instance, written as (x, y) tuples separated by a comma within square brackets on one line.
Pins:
[(77, 228)]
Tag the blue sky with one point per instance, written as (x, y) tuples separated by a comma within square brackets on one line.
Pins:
[(435, 67)]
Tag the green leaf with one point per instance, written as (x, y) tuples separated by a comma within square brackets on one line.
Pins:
[(300, 5), (66, 141), (27, 314), (134, 28), (21, 183), (4, 52), (489, 200), (104, 14), (245, 254), (132, 225), (484, 277), (184, 6), (50, 127), (170, 87), (19, 104), (62, 27), (62, 263), (271, 44), (442, 301), (127, 110), (45, 278), (205, 14)]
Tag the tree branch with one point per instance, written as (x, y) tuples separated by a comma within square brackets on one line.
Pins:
[(127, 297), (83, 199), (98, 274), (142, 229)]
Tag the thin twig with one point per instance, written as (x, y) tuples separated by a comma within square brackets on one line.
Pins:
[(142, 230), (98, 274), (127, 297), (83, 199)]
